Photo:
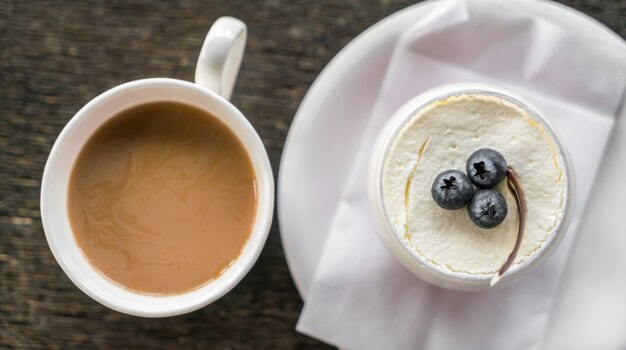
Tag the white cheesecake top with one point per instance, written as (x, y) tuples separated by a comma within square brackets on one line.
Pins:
[(441, 136)]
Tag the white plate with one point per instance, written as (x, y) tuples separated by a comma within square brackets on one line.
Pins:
[(328, 126)]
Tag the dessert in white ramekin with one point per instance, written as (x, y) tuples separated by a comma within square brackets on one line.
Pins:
[(437, 131)]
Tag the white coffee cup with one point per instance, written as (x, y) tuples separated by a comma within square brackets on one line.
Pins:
[(216, 72), (400, 249)]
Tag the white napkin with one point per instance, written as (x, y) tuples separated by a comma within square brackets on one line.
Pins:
[(361, 297)]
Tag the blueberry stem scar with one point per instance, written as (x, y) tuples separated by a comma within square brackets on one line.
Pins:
[(514, 185)]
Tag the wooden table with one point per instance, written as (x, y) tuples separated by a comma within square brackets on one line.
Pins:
[(56, 56)]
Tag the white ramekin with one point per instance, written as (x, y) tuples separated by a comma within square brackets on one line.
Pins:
[(400, 248)]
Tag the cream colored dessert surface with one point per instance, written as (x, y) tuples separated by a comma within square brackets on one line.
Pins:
[(441, 136)]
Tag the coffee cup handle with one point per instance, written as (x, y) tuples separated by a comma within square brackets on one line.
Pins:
[(220, 57)]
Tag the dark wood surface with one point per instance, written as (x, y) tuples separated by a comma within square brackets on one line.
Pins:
[(57, 55)]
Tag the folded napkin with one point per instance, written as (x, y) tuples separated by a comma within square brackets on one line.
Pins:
[(361, 298)]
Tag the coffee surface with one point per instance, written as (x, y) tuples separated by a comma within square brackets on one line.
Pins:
[(162, 198)]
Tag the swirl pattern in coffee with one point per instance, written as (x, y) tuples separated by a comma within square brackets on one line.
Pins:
[(162, 198)]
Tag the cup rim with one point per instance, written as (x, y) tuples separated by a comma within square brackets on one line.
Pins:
[(428, 271), (180, 303)]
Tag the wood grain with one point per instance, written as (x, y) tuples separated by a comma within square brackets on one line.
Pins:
[(57, 55)]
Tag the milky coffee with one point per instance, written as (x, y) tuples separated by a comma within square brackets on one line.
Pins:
[(162, 198)]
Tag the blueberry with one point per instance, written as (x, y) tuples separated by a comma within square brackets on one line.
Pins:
[(487, 209), (486, 168), (452, 189)]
